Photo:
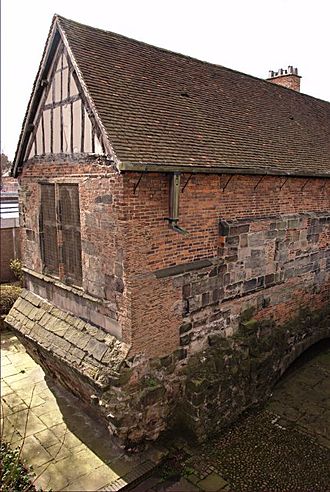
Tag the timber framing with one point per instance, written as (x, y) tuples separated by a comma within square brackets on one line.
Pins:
[(33, 115)]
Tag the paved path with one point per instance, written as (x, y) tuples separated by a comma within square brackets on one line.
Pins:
[(283, 447), (67, 449)]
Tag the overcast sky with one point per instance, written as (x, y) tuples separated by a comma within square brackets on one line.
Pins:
[(251, 36)]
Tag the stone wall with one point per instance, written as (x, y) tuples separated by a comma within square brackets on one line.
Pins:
[(272, 264), (139, 397), (103, 226)]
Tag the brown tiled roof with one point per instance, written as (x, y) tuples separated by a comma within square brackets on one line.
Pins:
[(164, 108)]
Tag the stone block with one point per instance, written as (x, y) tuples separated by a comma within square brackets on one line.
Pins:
[(250, 285), (195, 303), (185, 328), (223, 228), (186, 291), (205, 299), (33, 299), (293, 223), (269, 279), (185, 339), (243, 242), (239, 229), (61, 343), (106, 199), (96, 349), (256, 239), (232, 240), (77, 338)]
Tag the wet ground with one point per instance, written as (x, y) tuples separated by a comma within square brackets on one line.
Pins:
[(283, 447)]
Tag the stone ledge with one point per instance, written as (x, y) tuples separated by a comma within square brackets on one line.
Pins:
[(75, 290), (184, 268)]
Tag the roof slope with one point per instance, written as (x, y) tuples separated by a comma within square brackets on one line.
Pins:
[(165, 108)]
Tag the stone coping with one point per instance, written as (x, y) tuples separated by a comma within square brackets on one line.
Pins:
[(88, 348)]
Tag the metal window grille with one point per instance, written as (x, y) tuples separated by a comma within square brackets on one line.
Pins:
[(70, 226), (48, 229), (60, 238)]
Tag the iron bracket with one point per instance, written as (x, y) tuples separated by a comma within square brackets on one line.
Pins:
[(260, 179), (228, 181), (186, 183), (303, 186), (137, 184)]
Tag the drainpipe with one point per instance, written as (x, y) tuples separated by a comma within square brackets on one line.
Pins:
[(174, 203)]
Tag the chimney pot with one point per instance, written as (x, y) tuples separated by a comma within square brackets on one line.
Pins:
[(287, 78)]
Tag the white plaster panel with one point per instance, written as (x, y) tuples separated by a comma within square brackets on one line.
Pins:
[(57, 130), (77, 126)]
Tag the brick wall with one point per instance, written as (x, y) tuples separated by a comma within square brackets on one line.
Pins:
[(274, 229), (255, 245), (10, 249), (276, 247)]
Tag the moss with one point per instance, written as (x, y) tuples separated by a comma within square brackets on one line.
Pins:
[(249, 326), (242, 368), (150, 382), (196, 385), (125, 376), (247, 314), (152, 395)]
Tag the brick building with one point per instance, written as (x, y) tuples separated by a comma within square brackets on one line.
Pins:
[(175, 230)]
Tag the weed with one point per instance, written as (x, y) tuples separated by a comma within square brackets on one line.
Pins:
[(16, 267), (8, 295)]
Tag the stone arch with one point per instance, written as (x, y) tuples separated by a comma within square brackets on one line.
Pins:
[(301, 347), (237, 372)]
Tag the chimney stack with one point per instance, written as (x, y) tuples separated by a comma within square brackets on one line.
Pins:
[(288, 78)]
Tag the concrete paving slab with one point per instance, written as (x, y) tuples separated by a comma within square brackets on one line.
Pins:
[(94, 480), (212, 483), (47, 438), (5, 389), (51, 418), (34, 453)]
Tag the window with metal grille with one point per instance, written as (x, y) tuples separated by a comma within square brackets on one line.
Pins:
[(48, 229), (70, 226), (60, 231)]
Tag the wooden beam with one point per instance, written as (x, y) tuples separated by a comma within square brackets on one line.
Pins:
[(82, 135), (169, 168), (43, 133)]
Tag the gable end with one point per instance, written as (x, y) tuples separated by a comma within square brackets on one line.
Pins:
[(61, 118)]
